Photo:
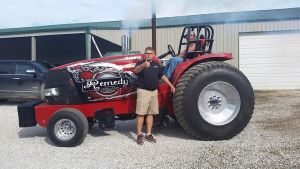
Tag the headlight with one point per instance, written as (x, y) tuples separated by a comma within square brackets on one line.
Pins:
[(51, 92)]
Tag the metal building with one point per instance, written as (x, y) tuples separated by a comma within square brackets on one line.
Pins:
[(57, 44), (265, 44)]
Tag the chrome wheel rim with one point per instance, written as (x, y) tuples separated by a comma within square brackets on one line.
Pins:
[(64, 129), (219, 103)]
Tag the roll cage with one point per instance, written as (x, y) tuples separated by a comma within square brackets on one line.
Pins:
[(204, 40)]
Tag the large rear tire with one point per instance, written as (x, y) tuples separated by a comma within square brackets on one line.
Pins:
[(213, 100), (67, 128)]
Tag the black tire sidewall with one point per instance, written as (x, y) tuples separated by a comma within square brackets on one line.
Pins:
[(78, 122), (193, 90)]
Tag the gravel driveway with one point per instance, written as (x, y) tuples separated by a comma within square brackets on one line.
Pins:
[(271, 140)]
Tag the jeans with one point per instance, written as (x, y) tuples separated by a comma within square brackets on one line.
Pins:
[(171, 66)]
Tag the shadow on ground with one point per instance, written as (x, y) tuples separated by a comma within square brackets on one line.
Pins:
[(11, 102), (29, 132), (173, 129), (127, 128)]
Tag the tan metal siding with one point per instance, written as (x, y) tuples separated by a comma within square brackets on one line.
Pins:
[(226, 36), (168, 36), (110, 35), (141, 39)]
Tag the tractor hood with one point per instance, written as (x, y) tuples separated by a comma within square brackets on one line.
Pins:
[(107, 78), (126, 62)]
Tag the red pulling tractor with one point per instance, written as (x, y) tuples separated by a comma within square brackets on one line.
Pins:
[(213, 100)]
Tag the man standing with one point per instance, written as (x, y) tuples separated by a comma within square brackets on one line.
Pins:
[(148, 72)]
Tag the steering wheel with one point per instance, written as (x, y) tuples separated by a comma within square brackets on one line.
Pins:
[(171, 51)]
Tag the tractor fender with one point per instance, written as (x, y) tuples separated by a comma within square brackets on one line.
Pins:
[(184, 66)]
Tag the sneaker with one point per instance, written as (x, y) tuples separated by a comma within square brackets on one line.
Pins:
[(150, 138), (140, 139)]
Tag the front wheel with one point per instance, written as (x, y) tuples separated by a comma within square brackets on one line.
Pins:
[(213, 100), (67, 127)]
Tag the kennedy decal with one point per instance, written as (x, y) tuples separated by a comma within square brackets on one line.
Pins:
[(97, 85), (102, 81)]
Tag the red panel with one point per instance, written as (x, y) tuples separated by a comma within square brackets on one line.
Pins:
[(44, 111)]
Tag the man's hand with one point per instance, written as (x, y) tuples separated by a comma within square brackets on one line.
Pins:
[(146, 64), (165, 79), (181, 54), (172, 89), (139, 68)]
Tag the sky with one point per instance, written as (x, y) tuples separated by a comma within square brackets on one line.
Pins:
[(27, 13)]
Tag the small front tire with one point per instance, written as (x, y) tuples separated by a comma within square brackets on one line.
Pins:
[(67, 128)]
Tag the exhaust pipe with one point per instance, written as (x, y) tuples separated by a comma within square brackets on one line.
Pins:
[(124, 43), (153, 6)]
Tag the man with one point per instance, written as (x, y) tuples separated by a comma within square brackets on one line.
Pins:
[(174, 61), (148, 72)]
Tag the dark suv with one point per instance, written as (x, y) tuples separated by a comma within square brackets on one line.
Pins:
[(21, 79)]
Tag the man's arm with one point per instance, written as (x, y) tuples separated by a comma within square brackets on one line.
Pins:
[(165, 79), (140, 67), (181, 54), (191, 48)]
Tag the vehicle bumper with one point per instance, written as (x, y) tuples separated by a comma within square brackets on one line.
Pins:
[(26, 114)]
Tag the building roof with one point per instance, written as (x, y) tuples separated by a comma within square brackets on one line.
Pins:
[(217, 18)]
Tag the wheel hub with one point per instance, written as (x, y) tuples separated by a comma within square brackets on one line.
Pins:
[(214, 102), (64, 129), (219, 103)]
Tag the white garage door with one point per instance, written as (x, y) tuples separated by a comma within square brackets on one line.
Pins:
[(271, 61)]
